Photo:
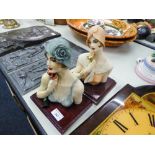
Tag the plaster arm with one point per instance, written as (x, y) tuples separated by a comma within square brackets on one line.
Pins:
[(47, 86), (88, 69), (77, 70), (78, 91)]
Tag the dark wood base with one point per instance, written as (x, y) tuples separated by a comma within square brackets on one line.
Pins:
[(70, 114), (92, 95), (97, 92), (103, 112)]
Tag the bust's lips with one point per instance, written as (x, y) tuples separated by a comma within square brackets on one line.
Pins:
[(52, 75)]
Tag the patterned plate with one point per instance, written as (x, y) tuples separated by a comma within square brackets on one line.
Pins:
[(108, 42), (126, 30)]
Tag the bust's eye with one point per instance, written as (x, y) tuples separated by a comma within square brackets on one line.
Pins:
[(52, 59), (95, 41)]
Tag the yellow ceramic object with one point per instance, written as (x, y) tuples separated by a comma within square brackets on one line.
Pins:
[(131, 121), (136, 117), (1, 21)]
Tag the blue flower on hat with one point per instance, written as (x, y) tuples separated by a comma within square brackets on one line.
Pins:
[(61, 53), (59, 49)]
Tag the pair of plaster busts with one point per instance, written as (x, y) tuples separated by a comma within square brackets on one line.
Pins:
[(59, 84)]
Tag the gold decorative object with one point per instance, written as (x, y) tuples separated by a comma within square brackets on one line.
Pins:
[(10, 23), (1, 21)]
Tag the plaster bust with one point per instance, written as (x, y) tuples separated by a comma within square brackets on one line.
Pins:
[(93, 67), (58, 84)]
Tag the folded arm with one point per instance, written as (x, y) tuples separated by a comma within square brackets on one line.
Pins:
[(47, 86)]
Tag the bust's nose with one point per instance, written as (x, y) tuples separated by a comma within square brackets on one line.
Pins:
[(93, 48)]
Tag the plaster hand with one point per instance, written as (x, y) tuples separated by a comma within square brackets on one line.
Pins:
[(44, 82), (87, 70), (90, 66), (91, 55), (51, 85)]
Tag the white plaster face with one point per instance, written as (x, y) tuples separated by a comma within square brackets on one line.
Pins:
[(94, 44), (53, 65)]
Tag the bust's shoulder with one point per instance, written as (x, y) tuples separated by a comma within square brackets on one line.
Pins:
[(78, 86)]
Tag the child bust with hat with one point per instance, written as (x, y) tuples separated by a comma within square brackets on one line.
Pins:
[(58, 84), (94, 67)]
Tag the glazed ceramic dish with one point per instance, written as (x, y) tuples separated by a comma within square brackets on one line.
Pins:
[(145, 69), (110, 29), (108, 42), (111, 43), (115, 29)]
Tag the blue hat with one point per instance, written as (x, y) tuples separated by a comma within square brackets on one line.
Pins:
[(59, 49)]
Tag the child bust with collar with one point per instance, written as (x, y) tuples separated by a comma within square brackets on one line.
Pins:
[(58, 84), (93, 67)]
